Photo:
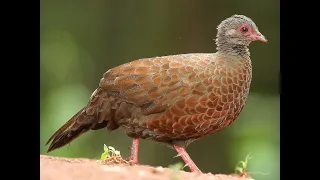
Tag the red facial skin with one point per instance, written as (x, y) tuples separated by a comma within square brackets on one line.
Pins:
[(251, 33)]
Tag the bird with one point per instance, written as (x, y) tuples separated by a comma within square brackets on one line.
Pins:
[(173, 99)]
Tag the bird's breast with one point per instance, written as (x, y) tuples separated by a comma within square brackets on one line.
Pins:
[(213, 102)]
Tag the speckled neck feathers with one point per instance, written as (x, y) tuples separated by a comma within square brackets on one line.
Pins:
[(234, 50)]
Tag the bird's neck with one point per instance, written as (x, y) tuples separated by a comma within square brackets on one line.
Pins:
[(236, 50)]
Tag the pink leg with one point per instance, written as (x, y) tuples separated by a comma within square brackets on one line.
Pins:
[(186, 158), (134, 151)]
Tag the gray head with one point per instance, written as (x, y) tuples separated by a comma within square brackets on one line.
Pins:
[(238, 30)]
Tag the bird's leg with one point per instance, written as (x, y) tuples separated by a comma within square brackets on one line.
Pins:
[(186, 158), (134, 151)]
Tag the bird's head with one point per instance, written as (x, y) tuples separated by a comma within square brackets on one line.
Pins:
[(240, 30)]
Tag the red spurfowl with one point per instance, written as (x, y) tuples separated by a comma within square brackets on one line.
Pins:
[(173, 99)]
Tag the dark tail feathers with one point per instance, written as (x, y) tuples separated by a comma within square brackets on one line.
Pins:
[(76, 126)]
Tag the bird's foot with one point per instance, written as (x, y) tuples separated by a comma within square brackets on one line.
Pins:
[(131, 161)]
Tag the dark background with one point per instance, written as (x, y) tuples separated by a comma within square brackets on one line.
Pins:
[(80, 40)]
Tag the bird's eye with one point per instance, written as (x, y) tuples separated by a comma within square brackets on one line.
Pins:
[(244, 29)]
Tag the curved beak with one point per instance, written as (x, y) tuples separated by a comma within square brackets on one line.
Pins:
[(258, 36)]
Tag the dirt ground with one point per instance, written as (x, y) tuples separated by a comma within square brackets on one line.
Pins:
[(57, 168)]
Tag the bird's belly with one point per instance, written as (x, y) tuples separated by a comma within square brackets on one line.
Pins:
[(168, 126), (228, 115)]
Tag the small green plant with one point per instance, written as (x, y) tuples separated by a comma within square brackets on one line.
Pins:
[(177, 166), (242, 169), (108, 152)]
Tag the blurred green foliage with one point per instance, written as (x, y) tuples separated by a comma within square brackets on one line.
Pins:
[(80, 40)]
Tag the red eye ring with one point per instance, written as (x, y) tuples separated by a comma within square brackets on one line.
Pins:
[(244, 29)]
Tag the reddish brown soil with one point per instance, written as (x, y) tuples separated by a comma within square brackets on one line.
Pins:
[(53, 168)]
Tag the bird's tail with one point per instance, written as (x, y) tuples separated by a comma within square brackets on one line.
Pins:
[(76, 126)]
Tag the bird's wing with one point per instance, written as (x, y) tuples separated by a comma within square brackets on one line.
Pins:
[(155, 83)]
